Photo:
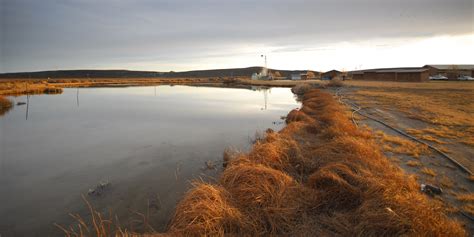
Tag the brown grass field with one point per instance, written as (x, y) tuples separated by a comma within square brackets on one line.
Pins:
[(319, 176), (40, 86), (440, 113)]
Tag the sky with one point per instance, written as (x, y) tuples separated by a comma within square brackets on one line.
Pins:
[(183, 35)]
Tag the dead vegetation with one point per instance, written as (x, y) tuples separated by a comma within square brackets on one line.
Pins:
[(5, 105), (53, 86), (448, 112), (319, 176), (335, 83), (468, 202), (428, 171), (336, 182), (399, 145)]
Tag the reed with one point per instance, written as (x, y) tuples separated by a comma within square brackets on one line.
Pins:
[(5, 105)]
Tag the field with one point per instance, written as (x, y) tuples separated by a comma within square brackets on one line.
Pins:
[(437, 113)]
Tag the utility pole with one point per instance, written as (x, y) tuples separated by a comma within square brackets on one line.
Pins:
[(264, 56)]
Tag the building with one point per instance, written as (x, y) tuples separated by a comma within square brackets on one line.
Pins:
[(452, 72), (329, 75), (392, 74), (295, 76)]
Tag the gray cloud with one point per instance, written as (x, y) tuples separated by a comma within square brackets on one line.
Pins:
[(50, 34)]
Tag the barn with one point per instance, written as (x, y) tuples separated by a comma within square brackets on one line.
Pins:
[(392, 74), (451, 71), (329, 75)]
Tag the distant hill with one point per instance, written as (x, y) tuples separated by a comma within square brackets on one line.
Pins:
[(81, 74), (236, 72)]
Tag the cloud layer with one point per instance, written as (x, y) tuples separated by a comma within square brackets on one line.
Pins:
[(185, 34)]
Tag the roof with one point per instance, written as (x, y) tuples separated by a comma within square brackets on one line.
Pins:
[(333, 71), (402, 70), (450, 66), (396, 69)]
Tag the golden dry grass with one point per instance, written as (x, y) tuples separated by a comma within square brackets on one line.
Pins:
[(40, 86), (413, 163), (446, 182), (321, 177), (428, 171), (277, 83), (5, 105), (400, 145), (447, 108), (468, 202), (336, 182)]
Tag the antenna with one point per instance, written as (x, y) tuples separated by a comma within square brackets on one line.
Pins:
[(264, 56)]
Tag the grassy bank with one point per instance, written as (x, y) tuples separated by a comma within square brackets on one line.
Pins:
[(319, 176), (40, 86)]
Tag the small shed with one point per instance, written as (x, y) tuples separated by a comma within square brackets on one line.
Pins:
[(295, 76), (329, 75)]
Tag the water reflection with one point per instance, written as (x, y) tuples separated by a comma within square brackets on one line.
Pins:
[(27, 105), (146, 145), (77, 96)]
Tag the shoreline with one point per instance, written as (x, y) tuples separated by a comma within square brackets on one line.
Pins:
[(319, 124), (318, 172), (15, 87)]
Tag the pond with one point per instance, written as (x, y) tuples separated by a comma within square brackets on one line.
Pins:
[(147, 143)]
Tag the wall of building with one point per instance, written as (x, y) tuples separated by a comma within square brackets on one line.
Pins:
[(358, 76), (393, 76)]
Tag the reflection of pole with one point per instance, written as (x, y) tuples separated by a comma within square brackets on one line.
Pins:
[(77, 97), (265, 96), (27, 105), (155, 90), (27, 100)]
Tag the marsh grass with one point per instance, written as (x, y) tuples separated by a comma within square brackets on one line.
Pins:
[(5, 105), (317, 177), (428, 171), (53, 86), (328, 180)]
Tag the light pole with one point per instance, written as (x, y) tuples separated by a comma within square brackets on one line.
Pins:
[(264, 56)]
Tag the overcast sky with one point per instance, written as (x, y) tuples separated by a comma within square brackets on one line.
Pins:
[(194, 34)]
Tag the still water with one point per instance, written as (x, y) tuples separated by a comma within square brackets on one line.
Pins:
[(147, 142)]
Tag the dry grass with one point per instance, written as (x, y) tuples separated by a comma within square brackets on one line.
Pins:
[(5, 105), (428, 171), (335, 83), (334, 182), (276, 83), (322, 177), (466, 197), (400, 145), (40, 86), (413, 163), (432, 85), (468, 200), (448, 111), (302, 88), (446, 182), (207, 210)]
